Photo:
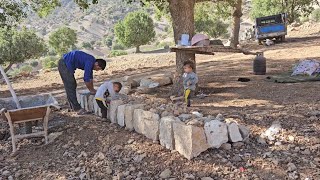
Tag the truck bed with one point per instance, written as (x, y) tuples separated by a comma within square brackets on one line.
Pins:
[(272, 29)]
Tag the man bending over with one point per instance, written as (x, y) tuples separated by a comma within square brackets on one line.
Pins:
[(67, 66)]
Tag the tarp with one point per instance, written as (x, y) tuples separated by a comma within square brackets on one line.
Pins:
[(287, 78)]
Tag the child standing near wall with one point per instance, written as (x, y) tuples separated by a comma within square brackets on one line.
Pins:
[(190, 79), (106, 92)]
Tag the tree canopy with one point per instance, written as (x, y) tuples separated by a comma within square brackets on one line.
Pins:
[(294, 8), (208, 20), (63, 39), (11, 12), (18, 46), (136, 29)]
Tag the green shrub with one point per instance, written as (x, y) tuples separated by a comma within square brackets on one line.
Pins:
[(51, 52), (164, 45), (162, 36), (108, 41), (315, 15), (50, 62), (166, 29), (82, 28), (34, 63), (304, 19), (26, 69), (14, 72), (99, 43), (117, 46), (87, 45), (157, 43), (115, 53)]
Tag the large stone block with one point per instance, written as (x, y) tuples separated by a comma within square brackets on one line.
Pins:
[(161, 79), (125, 90), (113, 110), (86, 102), (85, 99), (245, 132), (152, 122), (216, 133), (78, 97), (128, 116), (147, 123), (166, 136), (120, 115), (97, 110), (82, 101), (91, 101), (138, 124), (234, 132), (189, 140)]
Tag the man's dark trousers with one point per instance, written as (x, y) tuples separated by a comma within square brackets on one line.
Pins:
[(70, 85)]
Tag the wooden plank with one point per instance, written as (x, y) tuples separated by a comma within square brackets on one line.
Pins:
[(27, 114), (45, 124), (37, 134), (193, 51), (28, 120), (13, 140), (210, 50)]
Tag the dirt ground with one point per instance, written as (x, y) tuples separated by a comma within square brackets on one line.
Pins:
[(127, 155)]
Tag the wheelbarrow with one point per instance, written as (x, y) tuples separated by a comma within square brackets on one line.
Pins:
[(33, 108)]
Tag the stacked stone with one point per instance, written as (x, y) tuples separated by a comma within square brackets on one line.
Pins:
[(87, 101), (188, 134)]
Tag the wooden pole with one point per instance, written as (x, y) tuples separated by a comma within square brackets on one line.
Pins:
[(14, 96)]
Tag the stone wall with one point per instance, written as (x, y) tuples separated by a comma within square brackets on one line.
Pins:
[(189, 134)]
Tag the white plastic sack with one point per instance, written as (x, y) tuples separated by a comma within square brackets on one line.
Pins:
[(306, 67)]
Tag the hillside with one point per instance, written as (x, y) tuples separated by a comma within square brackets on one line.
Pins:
[(93, 24), (96, 22)]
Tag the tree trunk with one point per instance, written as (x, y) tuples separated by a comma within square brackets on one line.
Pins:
[(182, 13), (8, 67), (237, 13), (138, 49)]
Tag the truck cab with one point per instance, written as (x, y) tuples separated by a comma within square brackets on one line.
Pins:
[(271, 27)]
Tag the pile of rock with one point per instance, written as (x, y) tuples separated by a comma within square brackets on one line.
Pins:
[(149, 83), (189, 134), (143, 85)]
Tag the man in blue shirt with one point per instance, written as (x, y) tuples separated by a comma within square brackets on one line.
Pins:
[(67, 66)]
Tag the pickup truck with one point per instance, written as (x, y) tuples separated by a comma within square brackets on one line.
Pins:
[(271, 27)]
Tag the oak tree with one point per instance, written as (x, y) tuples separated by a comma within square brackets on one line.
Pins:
[(135, 30), (63, 39), (17, 46)]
